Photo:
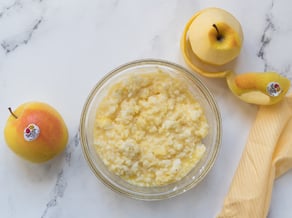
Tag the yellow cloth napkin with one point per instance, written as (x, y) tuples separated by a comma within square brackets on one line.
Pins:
[(266, 156)]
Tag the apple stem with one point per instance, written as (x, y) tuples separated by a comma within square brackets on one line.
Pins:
[(13, 114), (219, 36)]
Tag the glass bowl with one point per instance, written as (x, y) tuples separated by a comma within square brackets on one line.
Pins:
[(211, 141)]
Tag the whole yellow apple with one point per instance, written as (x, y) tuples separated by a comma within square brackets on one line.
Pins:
[(36, 132), (215, 36)]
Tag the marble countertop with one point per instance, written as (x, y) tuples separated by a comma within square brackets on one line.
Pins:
[(56, 50)]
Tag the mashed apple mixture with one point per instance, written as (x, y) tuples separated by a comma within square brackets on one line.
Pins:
[(149, 129)]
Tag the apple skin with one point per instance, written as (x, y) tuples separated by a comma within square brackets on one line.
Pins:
[(53, 136), (203, 36), (255, 87)]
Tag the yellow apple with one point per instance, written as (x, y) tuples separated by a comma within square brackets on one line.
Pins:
[(36, 132), (215, 36)]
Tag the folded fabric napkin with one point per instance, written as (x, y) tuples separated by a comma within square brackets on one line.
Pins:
[(266, 156)]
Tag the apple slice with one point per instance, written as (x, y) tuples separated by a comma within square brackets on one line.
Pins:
[(261, 88)]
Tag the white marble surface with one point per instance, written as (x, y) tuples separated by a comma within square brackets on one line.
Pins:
[(56, 50)]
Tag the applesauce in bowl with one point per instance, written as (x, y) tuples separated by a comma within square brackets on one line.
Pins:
[(150, 130)]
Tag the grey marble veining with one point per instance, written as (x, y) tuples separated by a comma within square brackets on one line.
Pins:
[(273, 29), (266, 38), (25, 18), (10, 46), (60, 186)]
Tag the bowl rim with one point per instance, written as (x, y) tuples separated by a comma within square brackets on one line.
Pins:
[(143, 196)]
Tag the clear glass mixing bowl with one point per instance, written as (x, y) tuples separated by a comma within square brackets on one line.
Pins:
[(211, 141)]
